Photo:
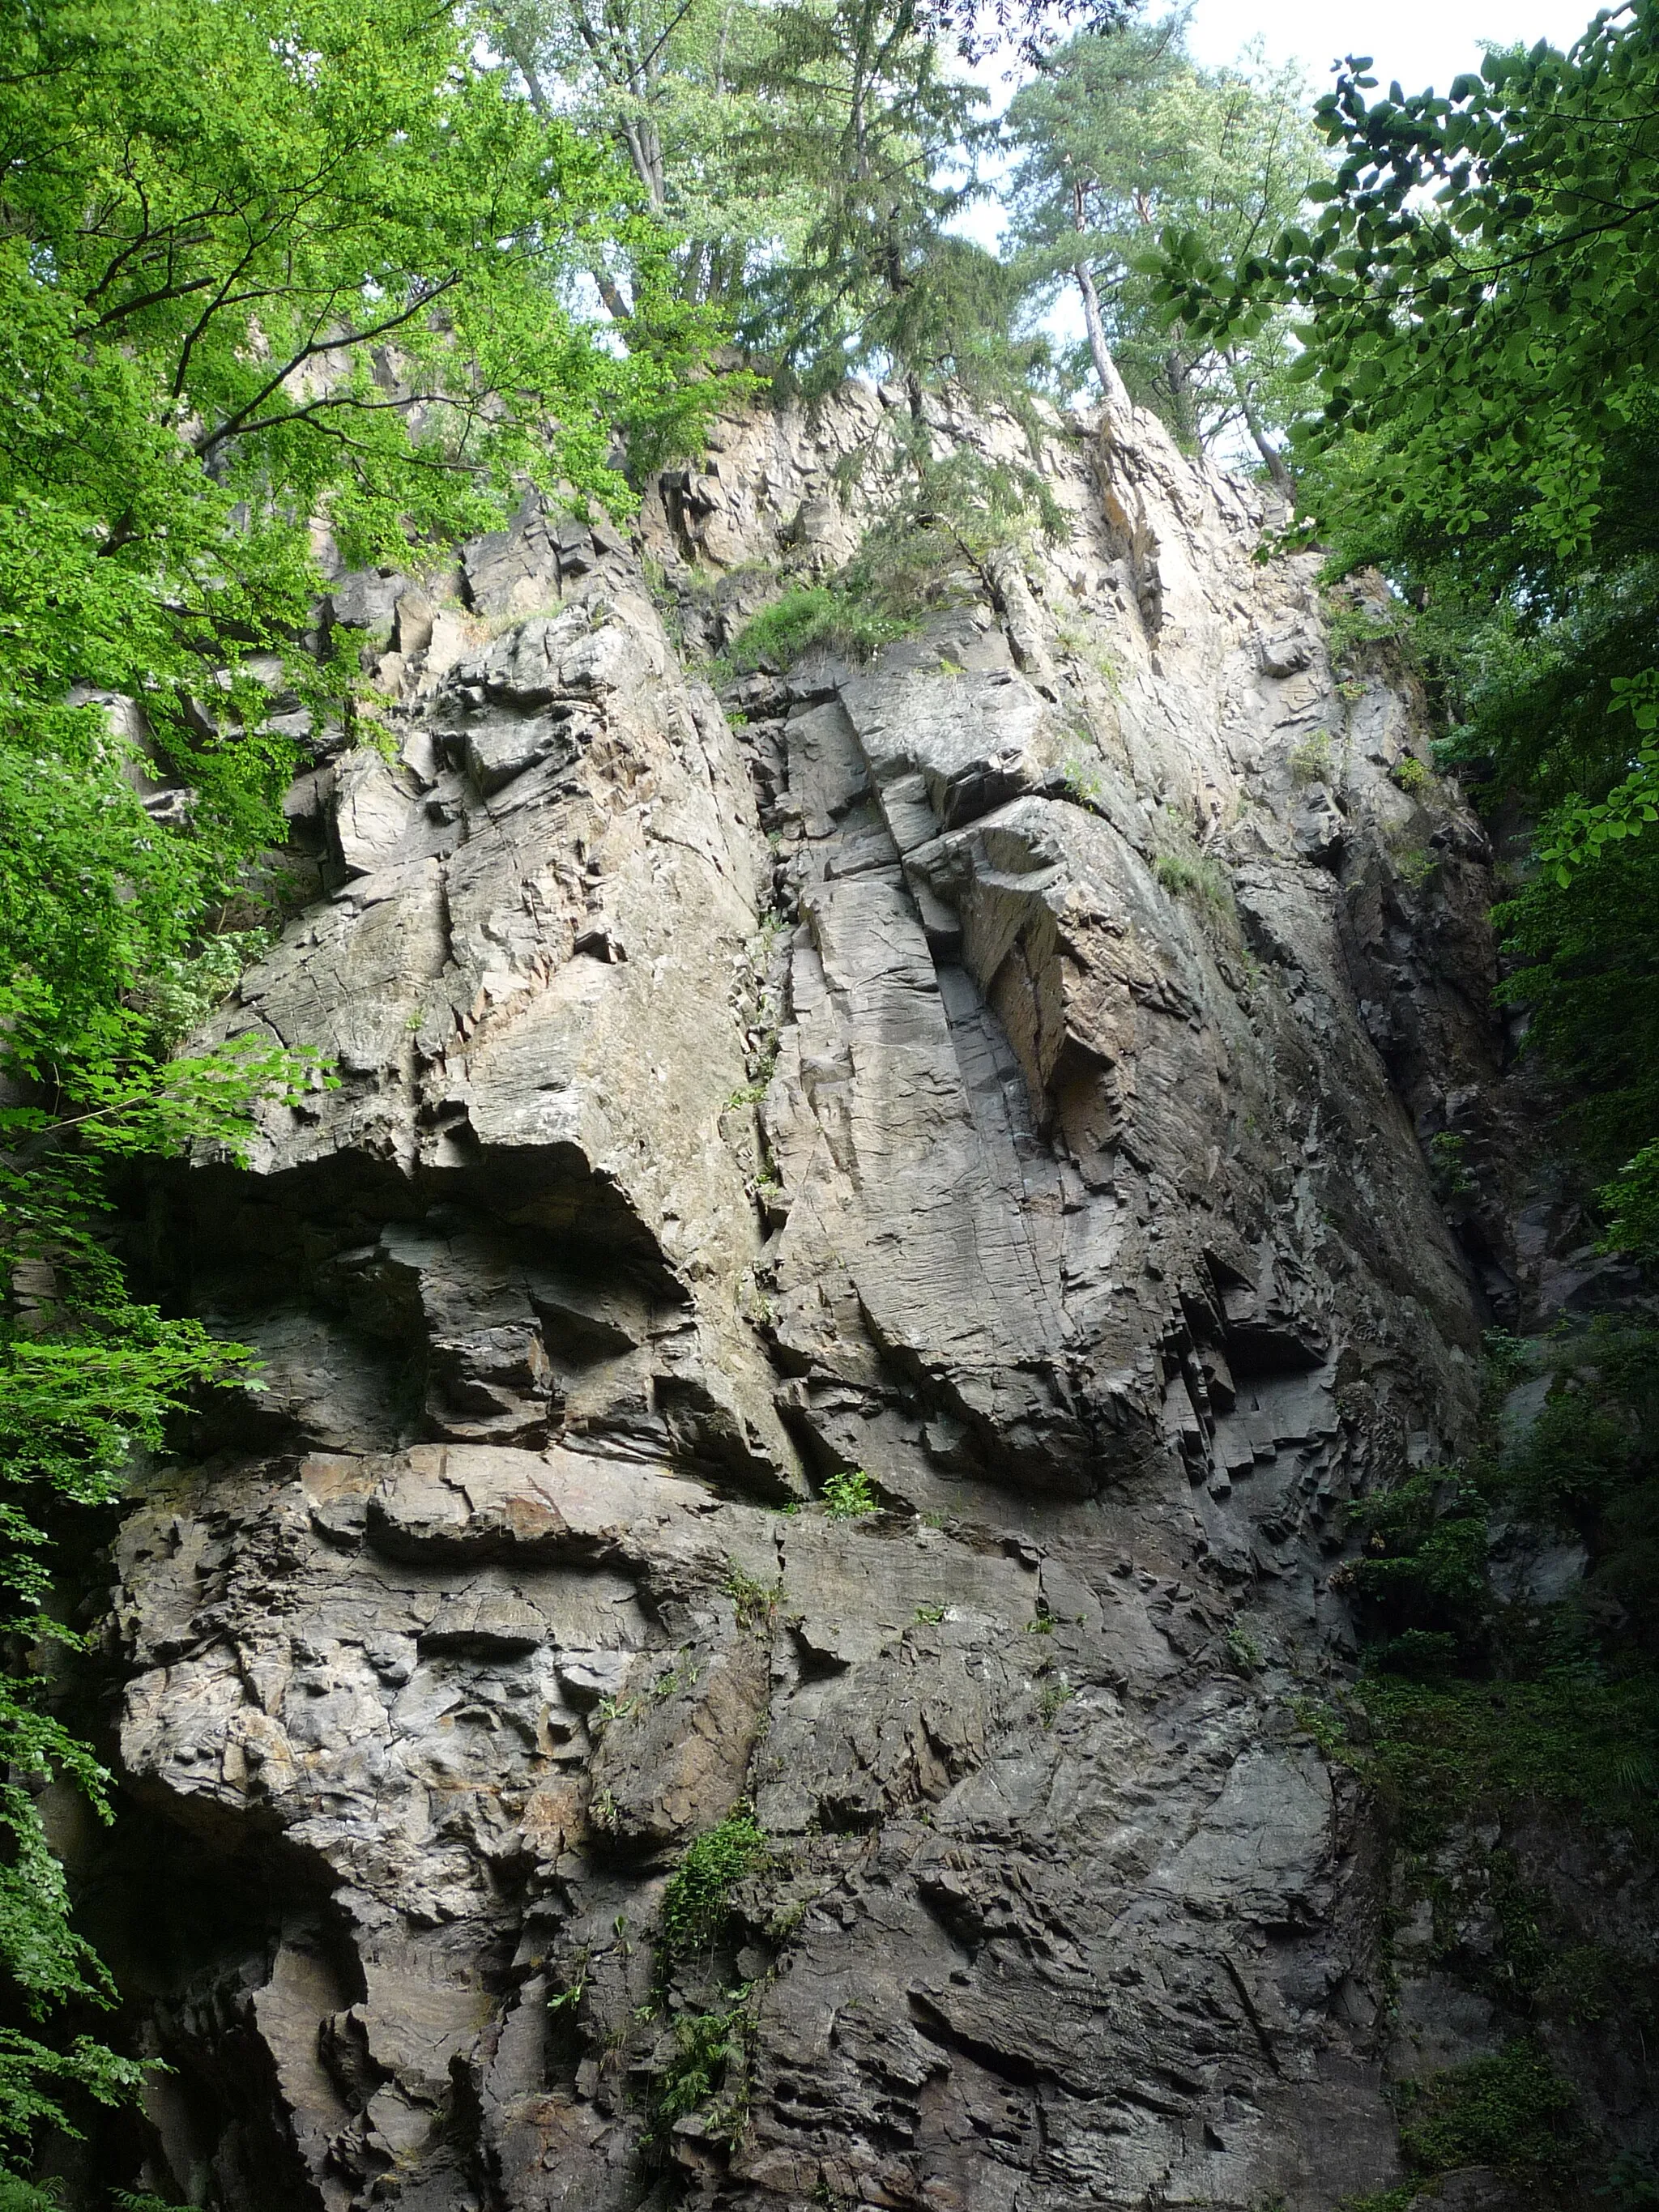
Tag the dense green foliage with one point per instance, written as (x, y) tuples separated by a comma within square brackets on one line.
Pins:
[(1509, 2110), (1591, 981), (1481, 1703), (1122, 135), (698, 1902), (810, 615), (1479, 300)]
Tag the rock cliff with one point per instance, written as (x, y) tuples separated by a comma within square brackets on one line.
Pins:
[(751, 1647)]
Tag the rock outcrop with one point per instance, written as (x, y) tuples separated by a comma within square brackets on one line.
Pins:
[(987, 1087)]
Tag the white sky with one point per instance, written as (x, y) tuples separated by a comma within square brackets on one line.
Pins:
[(1421, 42)]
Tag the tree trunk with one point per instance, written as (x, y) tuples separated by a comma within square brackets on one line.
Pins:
[(616, 307), (1112, 390), (1181, 396), (1277, 469), (1114, 394)]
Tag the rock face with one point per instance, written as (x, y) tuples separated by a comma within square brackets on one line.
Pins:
[(987, 1082)]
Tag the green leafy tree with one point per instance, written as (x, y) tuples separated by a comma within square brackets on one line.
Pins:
[(263, 263), (671, 83), (1121, 136), (1483, 322), (1481, 290)]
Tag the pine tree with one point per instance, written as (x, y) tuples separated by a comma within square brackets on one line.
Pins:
[(1121, 136)]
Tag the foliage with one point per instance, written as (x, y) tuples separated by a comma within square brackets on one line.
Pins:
[(1444, 279), (943, 524), (1424, 1562), (874, 128), (710, 2055), (1508, 2111), (1574, 1736), (1312, 761), (1449, 1169), (1122, 135), (1522, 1702), (696, 1904), (1052, 1700), (1630, 1200), (809, 615), (848, 1495), (1198, 879), (1488, 439), (947, 520), (753, 1600), (1590, 982), (669, 85), (1632, 2182)]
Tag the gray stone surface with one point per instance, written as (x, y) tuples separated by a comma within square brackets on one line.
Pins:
[(979, 1070)]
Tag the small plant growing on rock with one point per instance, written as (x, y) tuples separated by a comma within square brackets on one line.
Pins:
[(1052, 1698), (1242, 1650), (1414, 864), (754, 1601), (1200, 880), (698, 1902), (1081, 783), (1351, 624), (1411, 774), (848, 1495), (1310, 761), (1449, 1169), (711, 2054)]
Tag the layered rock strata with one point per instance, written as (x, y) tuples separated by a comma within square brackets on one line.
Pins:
[(988, 1083)]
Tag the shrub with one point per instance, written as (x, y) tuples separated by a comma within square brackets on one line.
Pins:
[(1200, 880), (708, 2046), (1448, 1170), (754, 1601), (1310, 761), (849, 1494), (1414, 864), (698, 1902), (1424, 1560), (817, 614), (1510, 2110)]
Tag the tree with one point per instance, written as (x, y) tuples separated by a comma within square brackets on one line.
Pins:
[(261, 261), (863, 112), (669, 82), (1481, 289), (1484, 326), (1122, 135)]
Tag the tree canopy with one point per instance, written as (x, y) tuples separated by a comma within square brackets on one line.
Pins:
[(1121, 136), (1479, 290)]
